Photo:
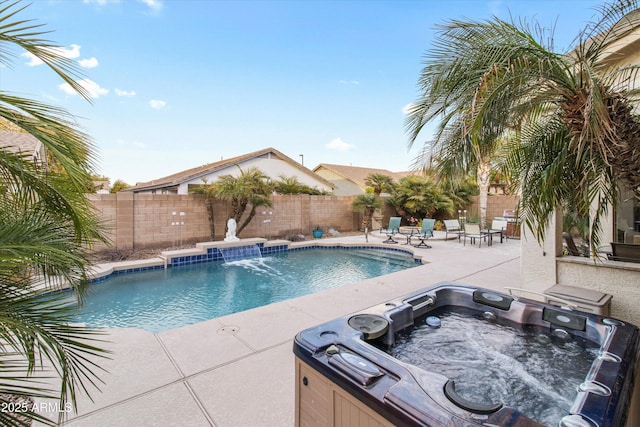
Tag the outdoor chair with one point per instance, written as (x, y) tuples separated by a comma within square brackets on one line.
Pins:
[(452, 226), (625, 252), (425, 232), (498, 227), (571, 245), (473, 232), (392, 229)]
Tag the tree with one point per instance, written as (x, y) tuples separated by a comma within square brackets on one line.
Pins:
[(577, 134), (418, 196), (47, 227), (209, 191), (249, 188), (119, 185), (448, 83), (380, 183), (291, 185), (366, 203)]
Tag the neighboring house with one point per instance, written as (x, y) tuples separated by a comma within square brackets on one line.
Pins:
[(349, 180), (25, 143), (269, 160)]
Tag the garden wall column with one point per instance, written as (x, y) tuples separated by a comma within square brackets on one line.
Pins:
[(124, 220), (538, 260)]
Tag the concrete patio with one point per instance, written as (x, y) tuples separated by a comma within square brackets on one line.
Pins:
[(238, 370)]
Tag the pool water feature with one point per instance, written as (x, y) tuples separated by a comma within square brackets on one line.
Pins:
[(161, 299), (235, 253)]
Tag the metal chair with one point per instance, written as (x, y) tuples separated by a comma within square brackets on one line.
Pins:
[(425, 232), (473, 232), (392, 229)]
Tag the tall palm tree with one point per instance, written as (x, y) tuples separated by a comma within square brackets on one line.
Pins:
[(251, 187), (578, 135), (47, 226)]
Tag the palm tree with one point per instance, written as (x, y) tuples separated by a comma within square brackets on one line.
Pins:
[(459, 148), (47, 226), (249, 188), (366, 203), (291, 185), (418, 196), (209, 191), (380, 183), (578, 136)]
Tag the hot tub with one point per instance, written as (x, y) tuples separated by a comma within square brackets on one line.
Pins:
[(406, 362)]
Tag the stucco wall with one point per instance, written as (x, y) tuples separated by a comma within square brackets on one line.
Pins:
[(272, 167), (616, 278)]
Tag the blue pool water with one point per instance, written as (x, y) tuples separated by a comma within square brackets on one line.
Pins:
[(157, 300)]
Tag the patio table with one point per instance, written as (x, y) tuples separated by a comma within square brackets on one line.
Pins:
[(408, 231), (490, 233)]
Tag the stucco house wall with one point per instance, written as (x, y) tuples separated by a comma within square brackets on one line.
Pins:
[(272, 167)]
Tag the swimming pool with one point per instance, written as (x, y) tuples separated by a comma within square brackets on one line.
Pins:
[(161, 299)]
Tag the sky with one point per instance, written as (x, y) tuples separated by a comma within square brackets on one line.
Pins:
[(177, 84)]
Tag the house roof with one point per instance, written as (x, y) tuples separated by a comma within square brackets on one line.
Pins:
[(201, 171), (357, 175), (19, 142), (623, 40)]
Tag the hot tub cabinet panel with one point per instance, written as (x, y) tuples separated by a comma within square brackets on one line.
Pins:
[(321, 403), (344, 378)]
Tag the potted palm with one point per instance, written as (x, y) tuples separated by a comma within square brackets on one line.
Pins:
[(317, 232)]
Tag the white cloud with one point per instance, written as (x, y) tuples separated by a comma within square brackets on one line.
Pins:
[(154, 5), (93, 88), (349, 82), (88, 63), (125, 93), (71, 53), (156, 104), (339, 145)]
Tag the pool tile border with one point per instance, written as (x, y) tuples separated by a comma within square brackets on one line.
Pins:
[(210, 251)]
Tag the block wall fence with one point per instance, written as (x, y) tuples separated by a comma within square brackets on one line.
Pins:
[(150, 221)]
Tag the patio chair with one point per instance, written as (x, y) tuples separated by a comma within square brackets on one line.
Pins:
[(425, 232), (392, 229), (625, 252), (473, 232), (452, 226), (571, 245), (498, 227)]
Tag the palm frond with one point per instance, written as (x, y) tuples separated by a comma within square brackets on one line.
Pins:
[(27, 35)]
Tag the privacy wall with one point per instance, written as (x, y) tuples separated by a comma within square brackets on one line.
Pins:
[(143, 221), (149, 221)]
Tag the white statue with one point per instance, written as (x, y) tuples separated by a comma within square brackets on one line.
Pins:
[(231, 231)]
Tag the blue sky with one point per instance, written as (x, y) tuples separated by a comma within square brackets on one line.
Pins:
[(181, 83)]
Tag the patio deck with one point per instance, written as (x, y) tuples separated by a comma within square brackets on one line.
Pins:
[(238, 370)]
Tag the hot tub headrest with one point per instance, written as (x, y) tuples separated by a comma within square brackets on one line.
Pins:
[(371, 325), (467, 405)]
